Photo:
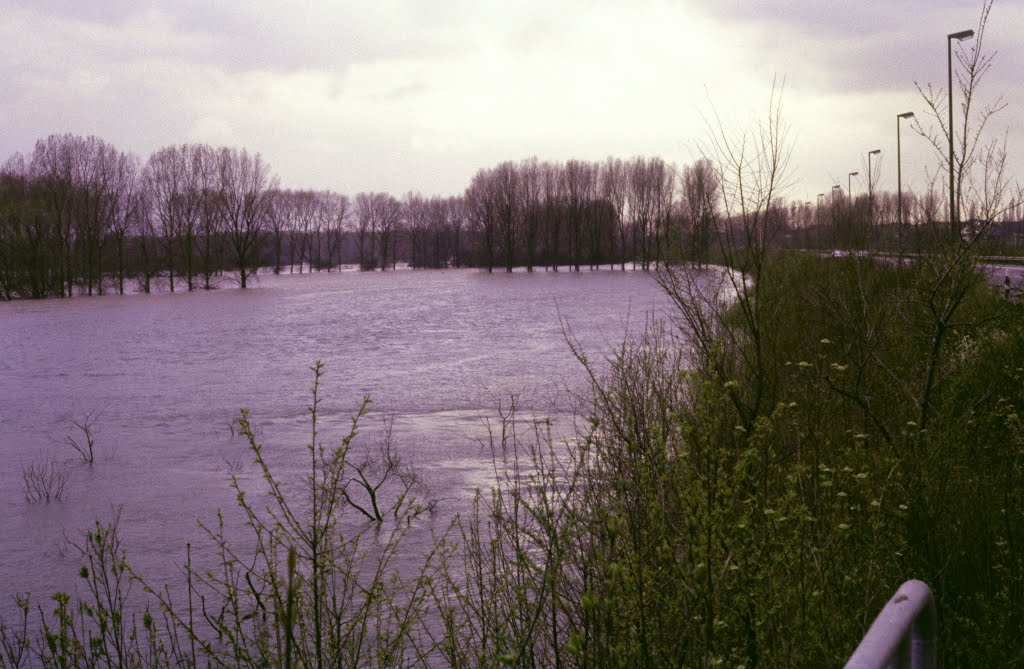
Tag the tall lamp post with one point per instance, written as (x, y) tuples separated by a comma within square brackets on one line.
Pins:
[(849, 184), (817, 213), (875, 152), (899, 182), (806, 222), (834, 189), (960, 37), (871, 196)]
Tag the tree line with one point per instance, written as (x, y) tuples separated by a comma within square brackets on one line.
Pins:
[(78, 215)]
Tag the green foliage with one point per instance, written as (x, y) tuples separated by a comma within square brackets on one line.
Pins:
[(854, 428), (754, 498)]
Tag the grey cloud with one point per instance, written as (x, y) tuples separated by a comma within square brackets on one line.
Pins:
[(177, 70), (843, 47), (830, 19), (269, 35)]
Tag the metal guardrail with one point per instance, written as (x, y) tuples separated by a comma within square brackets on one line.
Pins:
[(904, 635)]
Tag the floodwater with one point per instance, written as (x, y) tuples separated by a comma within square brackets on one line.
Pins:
[(165, 375)]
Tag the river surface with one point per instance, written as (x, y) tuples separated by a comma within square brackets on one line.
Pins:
[(167, 373)]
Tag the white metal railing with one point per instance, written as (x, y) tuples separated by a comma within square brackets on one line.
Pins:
[(903, 635)]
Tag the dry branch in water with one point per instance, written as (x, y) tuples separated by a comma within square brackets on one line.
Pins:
[(45, 480)]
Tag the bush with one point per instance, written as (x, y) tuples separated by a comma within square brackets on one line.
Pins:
[(45, 480)]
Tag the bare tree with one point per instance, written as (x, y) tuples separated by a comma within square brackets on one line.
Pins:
[(598, 226), (378, 221), (146, 243), (127, 195), (30, 243), (643, 207), (337, 209), (440, 220), (248, 191), (503, 186), (191, 206), (94, 182), (384, 466), (613, 190), (51, 170), (700, 197), (481, 214), (366, 231), (664, 199), (44, 480), (389, 222), (417, 220), (207, 181), (926, 211), (751, 173), (320, 222), (297, 210), (553, 189), (530, 189), (979, 163), (978, 169), (457, 216), (277, 226), (173, 198), (82, 438), (580, 181)]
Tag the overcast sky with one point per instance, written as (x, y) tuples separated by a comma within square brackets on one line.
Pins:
[(417, 95)]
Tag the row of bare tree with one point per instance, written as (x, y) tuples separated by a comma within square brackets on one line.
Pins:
[(79, 215), (879, 221), (544, 214)]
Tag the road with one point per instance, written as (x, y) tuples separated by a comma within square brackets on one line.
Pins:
[(998, 273)]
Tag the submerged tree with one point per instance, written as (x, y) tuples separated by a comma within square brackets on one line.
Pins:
[(700, 196), (247, 193)]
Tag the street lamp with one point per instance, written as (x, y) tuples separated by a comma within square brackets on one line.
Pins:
[(960, 37), (849, 181), (806, 226), (871, 153), (834, 189), (871, 196), (899, 180), (817, 215)]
